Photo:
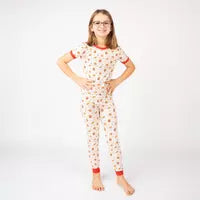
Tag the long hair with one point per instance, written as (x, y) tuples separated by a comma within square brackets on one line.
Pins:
[(111, 40)]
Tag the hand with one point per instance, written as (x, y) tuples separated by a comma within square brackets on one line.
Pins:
[(112, 84), (84, 83)]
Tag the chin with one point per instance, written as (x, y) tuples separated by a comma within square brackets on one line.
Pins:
[(102, 35)]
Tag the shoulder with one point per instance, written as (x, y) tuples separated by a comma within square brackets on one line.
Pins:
[(121, 55), (79, 50), (120, 50), (85, 44), (117, 49), (81, 45)]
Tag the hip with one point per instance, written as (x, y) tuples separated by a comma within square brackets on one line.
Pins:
[(100, 98)]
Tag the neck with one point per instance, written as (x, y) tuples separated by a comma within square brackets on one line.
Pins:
[(101, 41)]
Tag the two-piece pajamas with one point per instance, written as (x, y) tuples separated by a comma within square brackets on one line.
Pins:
[(96, 104)]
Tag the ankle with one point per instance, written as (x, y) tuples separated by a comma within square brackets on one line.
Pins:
[(120, 177), (96, 174)]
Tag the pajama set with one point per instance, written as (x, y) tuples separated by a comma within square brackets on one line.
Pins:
[(96, 105)]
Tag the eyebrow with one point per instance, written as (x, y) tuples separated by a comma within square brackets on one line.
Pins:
[(100, 20)]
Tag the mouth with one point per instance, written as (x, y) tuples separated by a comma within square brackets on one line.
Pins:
[(102, 30)]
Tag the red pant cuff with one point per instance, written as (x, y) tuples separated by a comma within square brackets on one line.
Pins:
[(119, 173), (96, 170)]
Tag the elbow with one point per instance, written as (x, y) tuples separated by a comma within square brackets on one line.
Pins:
[(58, 62), (134, 67)]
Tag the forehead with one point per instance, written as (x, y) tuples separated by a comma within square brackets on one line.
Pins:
[(101, 17)]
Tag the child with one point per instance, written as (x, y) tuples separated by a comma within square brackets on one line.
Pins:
[(100, 54)]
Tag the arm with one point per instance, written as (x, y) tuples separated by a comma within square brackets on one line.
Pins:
[(130, 68), (62, 62)]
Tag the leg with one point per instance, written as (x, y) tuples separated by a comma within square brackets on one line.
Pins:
[(90, 113), (109, 120), (108, 116)]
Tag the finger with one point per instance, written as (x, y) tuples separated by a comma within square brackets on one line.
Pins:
[(89, 81), (107, 89), (111, 91), (84, 87), (89, 86)]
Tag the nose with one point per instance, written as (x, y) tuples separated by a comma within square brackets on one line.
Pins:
[(101, 25)]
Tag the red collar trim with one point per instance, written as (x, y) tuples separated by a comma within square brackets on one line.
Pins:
[(100, 47)]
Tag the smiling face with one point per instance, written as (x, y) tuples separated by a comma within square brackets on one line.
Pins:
[(101, 25)]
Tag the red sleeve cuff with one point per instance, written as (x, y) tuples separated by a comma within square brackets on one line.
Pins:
[(124, 62), (72, 54)]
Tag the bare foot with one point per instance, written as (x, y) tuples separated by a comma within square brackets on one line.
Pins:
[(96, 182), (129, 190)]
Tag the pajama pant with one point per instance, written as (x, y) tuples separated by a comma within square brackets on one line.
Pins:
[(95, 108)]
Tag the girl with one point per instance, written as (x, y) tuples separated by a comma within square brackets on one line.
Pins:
[(99, 55)]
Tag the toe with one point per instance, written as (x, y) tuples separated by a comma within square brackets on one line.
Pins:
[(131, 191)]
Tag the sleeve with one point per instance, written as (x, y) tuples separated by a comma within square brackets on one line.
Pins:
[(121, 55), (79, 51)]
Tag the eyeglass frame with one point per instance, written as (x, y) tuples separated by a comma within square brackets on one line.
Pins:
[(104, 23)]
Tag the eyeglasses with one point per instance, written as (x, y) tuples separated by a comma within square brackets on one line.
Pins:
[(98, 23)]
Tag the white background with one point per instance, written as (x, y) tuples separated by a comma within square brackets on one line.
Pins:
[(158, 105)]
